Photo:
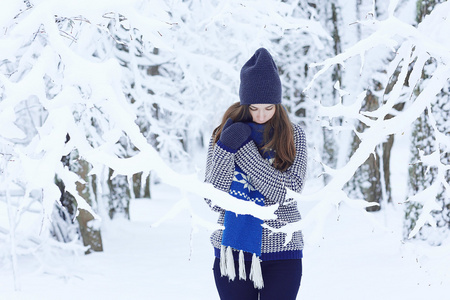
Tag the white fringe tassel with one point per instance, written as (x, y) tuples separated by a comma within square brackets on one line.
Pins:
[(230, 264), (242, 274), (227, 267), (256, 273), (223, 263)]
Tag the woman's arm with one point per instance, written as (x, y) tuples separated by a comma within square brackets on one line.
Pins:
[(267, 179), (220, 161), (219, 169)]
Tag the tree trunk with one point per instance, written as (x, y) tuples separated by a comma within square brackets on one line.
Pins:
[(147, 190), (330, 146), (119, 195), (366, 182), (137, 184), (90, 232), (89, 227), (387, 147)]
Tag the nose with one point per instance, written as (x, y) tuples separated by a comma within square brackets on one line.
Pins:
[(261, 115)]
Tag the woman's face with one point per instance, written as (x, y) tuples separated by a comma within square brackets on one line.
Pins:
[(261, 113)]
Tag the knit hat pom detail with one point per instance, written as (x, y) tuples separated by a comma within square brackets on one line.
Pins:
[(260, 82)]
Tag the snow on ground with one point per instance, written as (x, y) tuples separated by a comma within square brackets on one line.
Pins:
[(138, 262), (360, 256), (358, 259)]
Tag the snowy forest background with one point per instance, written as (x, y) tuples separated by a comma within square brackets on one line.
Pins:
[(102, 101)]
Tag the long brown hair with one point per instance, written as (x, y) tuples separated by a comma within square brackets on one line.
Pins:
[(282, 141)]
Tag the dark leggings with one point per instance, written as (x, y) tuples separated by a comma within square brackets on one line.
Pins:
[(281, 281)]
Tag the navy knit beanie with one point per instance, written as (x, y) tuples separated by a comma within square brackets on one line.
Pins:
[(260, 83)]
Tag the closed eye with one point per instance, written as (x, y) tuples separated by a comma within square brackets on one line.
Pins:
[(252, 108)]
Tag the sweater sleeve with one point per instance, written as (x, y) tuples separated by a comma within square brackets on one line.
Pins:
[(267, 179), (219, 168)]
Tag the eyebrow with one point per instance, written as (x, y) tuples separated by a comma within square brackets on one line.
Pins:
[(252, 106)]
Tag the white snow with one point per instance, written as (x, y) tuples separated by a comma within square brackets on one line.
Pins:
[(357, 256)]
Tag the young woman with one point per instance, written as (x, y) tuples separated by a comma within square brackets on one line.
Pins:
[(254, 155)]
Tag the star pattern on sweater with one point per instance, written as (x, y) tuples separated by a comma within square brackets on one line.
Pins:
[(244, 179)]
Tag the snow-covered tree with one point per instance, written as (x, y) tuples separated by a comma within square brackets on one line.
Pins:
[(56, 82), (428, 133), (367, 181), (412, 47)]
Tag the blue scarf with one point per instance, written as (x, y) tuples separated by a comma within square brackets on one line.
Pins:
[(244, 232)]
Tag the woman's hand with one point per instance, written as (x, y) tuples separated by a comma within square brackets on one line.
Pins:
[(235, 135)]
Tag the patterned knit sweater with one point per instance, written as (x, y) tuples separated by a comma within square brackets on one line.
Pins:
[(270, 182)]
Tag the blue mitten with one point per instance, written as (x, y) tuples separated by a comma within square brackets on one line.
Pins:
[(234, 135)]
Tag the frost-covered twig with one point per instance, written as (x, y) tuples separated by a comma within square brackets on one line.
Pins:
[(12, 238)]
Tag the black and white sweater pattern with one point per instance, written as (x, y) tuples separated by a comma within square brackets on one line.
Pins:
[(271, 183)]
